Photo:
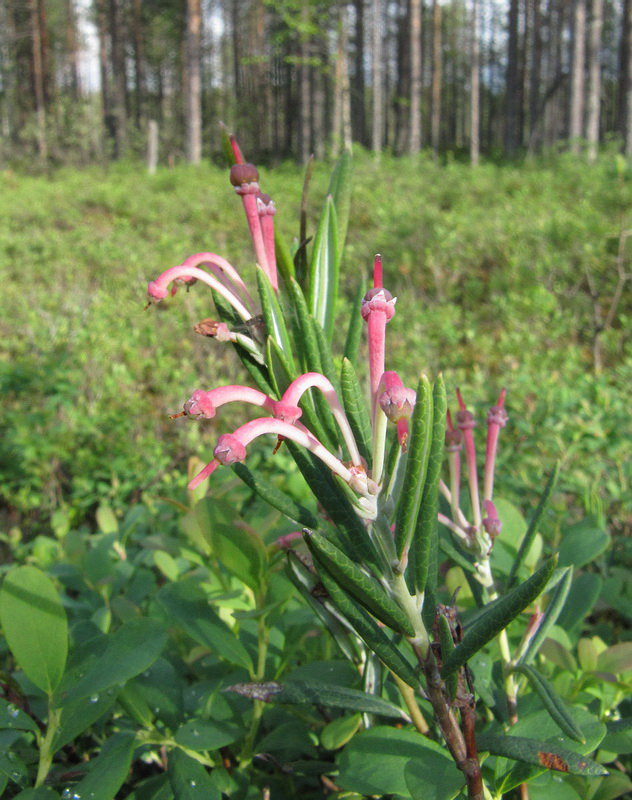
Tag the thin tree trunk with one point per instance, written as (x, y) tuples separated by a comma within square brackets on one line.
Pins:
[(475, 101), (513, 86), (117, 33), (594, 80), (435, 126), (306, 100), (535, 75), (347, 130), (577, 76), (152, 146), (102, 25), (357, 98), (628, 79), (377, 78), (139, 60), (72, 51), (193, 95), (38, 77), (415, 76), (47, 79)]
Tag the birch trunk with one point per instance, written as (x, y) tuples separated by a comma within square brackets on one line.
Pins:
[(415, 76), (577, 76), (594, 80)]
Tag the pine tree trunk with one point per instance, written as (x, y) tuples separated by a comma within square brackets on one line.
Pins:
[(577, 76), (534, 77), (72, 51), (435, 124), (594, 80), (306, 100), (628, 79), (102, 27), (193, 95), (415, 76), (139, 60), (47, 76), (475, 103), (358, 115), (513, 86), (38, 78), (119, 106), (377, 78)]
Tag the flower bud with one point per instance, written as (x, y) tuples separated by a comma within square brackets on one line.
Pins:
[(265, 205), (199, 405), (378, 300), (244, 178), (156, 292), (453, 441), (491, 523), (398, 403), (465, 420), (497, 416), (229, 449), (287, 411)]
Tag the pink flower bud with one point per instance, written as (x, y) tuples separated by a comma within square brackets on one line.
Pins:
[(497, 416), (491, 523), (287, 411), (156, 292), (465, 420), (199, 405), (378, 300), (229, 449), (265, 206), (242, 175), (398, 403)]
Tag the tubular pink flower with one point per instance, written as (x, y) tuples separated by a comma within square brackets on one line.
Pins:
[(266, 210), (244, 178), (158, 290), (287, 540), (223, 271), (465, 422), (236, 151), (397, 402), (309, 380), (496, 419), (232, 447), (378, 307), (204, 405), (491, 523)]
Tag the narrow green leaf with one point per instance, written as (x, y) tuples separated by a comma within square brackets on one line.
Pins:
[(357, 410), (188, 778), (549, 618), (13, 718), (497, 618), (285, 262), (274, 317), (129, 651), (356, 324), (527, 539), (447, 646), (540, 754), (274, 497), (109, 769), (552, 702), (323, 284), (339, 731), (448, 549), (370, 633), (419, 442), (307, 336), (326, 358), (340, 187), (279, 368), (226, 145), (427, 516), (187, 604), (318, 694), (363, 588), (35, 626)]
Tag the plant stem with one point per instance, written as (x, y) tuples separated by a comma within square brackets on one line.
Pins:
[(408, 694), (46, 744), (263, 637)]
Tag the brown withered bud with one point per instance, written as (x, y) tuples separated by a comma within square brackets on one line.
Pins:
[(465, 420), (453, 440), (243, 173)]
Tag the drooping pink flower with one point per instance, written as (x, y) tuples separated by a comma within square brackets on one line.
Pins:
[(245, 177), (378, 308), (465, 422), (397, 402), (158, 289), (266, 210), (496, 419)]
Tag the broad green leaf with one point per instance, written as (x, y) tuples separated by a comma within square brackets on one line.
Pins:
[(324, 268), (558, 654), (242, 553), (129, 650), (356, 325), (613, 786), (13, 718), (340, 190), (35, 626), (160, 687), (583, 595), (208, 734), (41, 793), (318, 694), (552, 702), (539, 753), (368, 630), (376, 761), (616, 659), (187, 604), (419, 442), (494, 620), (338, 732), (189, 780), (582, 543), (106, 519), (109, 769), (274, 316), (358, 584), (356, 409), (274, 497), (549, 618), (426, 525), (531, 531), (77, 717)]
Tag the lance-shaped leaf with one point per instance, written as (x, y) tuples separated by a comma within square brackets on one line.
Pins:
[(109, 769), (372, 635), (427, 518), (306, 338), (540, 754), (527, 539), (447, 646), (552, 702), (310, 587), (323, 283), (279, 368), (356, 410), (227, 148), (363, 588), (340, 190), (414, 479), (448, 549), (318, 694), (274, 497), (274, 316), (326, 358), (285, 262), (356, 324), (494, 620), (549, 617)]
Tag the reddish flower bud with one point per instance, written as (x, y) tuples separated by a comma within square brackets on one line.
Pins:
[(229, 449), (244, 178), (497, 416), (398, 403), (465, 420), (378, 300), (199, 405), (265, 205), (287, 411)]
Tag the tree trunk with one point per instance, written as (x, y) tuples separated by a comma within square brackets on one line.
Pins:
[(193, 95), (72, 51), (577, 76), (534, 77), (38, 77), (415, 76), (306, 100), (475, 103), (139, 60), (377, 78), (628, 79), (47, 79), (358, 115), (512, 83), (435, 125), (119, 108), (594, 80)]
